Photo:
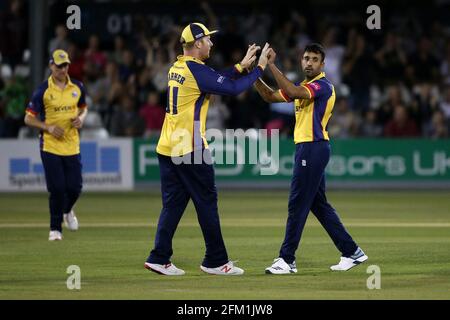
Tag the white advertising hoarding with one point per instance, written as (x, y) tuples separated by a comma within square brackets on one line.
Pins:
[(107, 165)]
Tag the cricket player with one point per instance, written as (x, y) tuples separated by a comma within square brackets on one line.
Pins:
[(184, 159), (314, 100), (58, 109)]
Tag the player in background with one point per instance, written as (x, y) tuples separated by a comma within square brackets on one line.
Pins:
[(314, 100), (58, 109), (184, 158)]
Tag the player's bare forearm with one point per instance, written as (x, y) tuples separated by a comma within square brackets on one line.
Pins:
[(293, 91), (82, 113), (35, 123), (79, 120), (266, 92)]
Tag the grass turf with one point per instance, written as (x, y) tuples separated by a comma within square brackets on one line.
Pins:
[(406, 234)]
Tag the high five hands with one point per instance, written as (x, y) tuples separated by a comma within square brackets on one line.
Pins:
[(263, 58), (250, 56)]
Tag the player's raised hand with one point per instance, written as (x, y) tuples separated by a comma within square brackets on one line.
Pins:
[(55, 131), (271, 55), (250, 57), (263, 57)]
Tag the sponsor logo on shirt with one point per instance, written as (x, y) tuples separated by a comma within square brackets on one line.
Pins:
[(315, 85)]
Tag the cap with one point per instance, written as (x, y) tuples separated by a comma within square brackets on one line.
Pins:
[(195, 31), (59, 57)]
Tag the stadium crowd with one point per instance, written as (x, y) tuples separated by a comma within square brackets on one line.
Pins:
[(393, 82)]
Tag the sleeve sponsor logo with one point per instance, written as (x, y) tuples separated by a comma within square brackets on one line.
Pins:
[(315, 86)]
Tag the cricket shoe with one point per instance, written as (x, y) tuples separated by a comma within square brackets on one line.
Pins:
[(279, 266), (54, 235), (168, 269), (228, 269), (347, 263), (71, 221)]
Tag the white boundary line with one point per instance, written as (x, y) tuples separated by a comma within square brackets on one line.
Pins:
[(238, 224)]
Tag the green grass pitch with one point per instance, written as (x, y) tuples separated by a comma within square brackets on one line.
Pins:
[(406, 234)]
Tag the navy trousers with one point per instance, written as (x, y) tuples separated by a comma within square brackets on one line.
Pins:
[(179, 184), (64, 183), (308, 194)]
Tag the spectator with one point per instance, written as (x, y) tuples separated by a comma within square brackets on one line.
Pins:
[(333, 60), (445, 103), (425, 103), (370, 127), (125, 121), (391, 59), (60, 40), (344, 123), (13, 96), (218, 113), (439, 127), (76, 68), (153, 114), (401, 125), (126, 68), (117, 54), (425, 66), (357, 71), (13, 33), (445, 65), (95, 59)]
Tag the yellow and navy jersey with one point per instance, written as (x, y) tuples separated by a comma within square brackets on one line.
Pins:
[(190, 84), (312, 114), (56, 106)]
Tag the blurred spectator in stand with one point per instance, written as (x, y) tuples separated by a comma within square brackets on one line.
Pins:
[(357, 71), (117, 54), (60, 40), (438, 127), (229, 39), (125, 121), (95, 59), (144, 86), (333, 60), (282, 117), (370, 127), (393, 96), (159, 69), (344, 123), (401, 125), (218, 113), (13, 97), (445, 65), (126, 68), (101, 89), (13, 33), (153, 114), (424, 104), (391, 59), (76, 68), (445, 103), (425, 66)]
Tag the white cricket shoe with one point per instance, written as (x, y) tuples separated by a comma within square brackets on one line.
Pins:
[(168, 269), (71, 221), (279, 266), (347, 263), (228, 269), (54, 235)]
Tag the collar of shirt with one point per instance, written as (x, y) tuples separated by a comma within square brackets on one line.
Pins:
[(183, 58), (52, 84), (319, 76)]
